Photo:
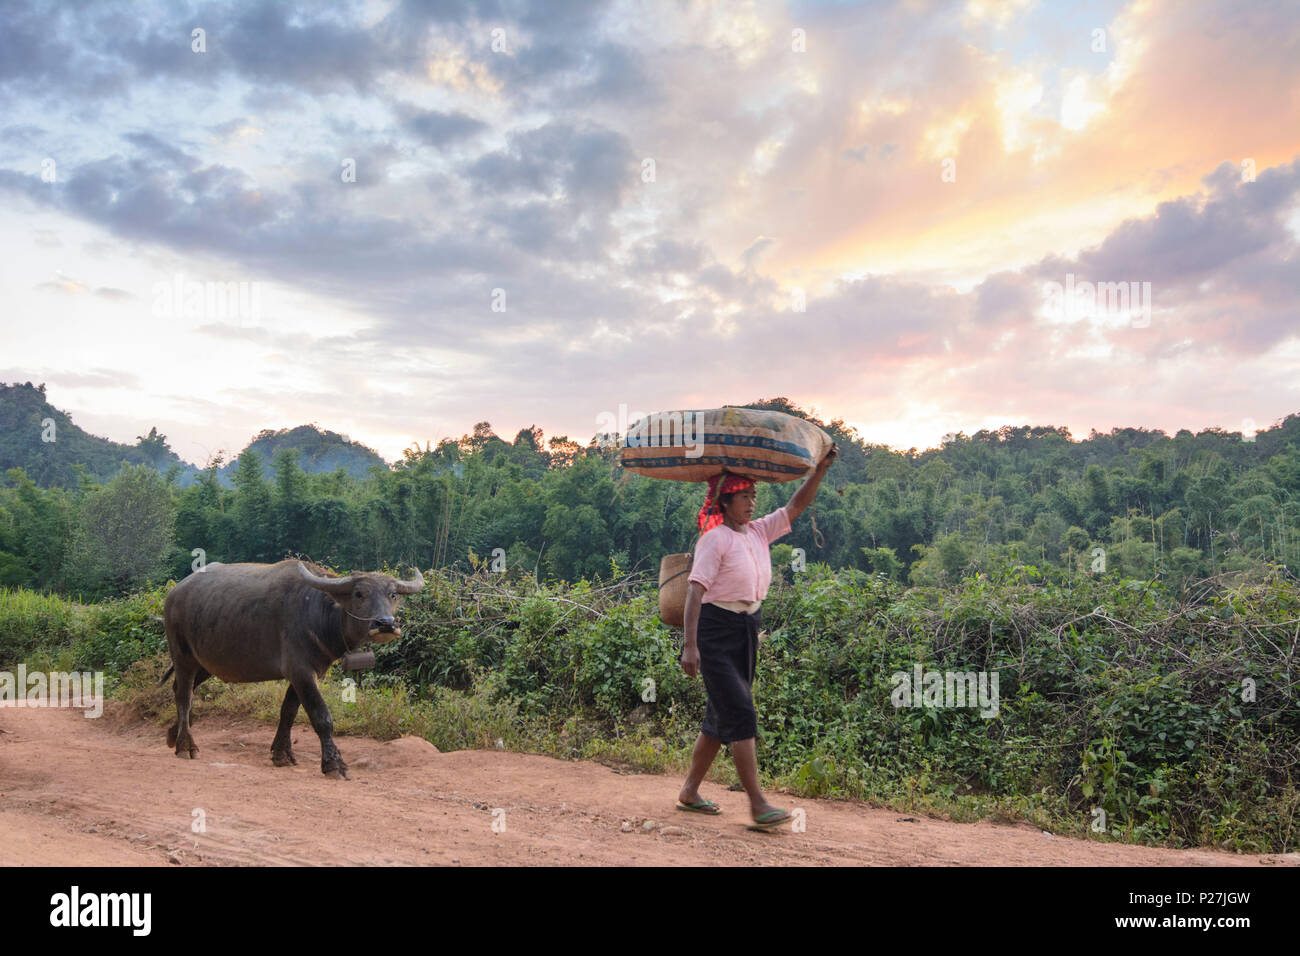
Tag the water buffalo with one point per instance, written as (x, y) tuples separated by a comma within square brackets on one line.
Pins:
[(246, 623)]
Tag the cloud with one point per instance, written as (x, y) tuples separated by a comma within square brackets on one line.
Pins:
[(754, 251), (95, 378), (167, 153), (1192, 236), (1213, 259), (522, 171), (63, 286), (438, 128), (1005, 297)]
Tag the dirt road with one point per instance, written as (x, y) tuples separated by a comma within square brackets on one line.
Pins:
[(109, 792)]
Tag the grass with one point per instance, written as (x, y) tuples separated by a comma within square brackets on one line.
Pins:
[(450, 720), (1151, 729), (38, 626)]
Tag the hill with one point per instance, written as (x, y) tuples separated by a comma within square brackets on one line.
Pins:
[(318, 451), (52, 449)]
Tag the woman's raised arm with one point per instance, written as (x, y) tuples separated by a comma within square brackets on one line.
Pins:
[(808, 490)]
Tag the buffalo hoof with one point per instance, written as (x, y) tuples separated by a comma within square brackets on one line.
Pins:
[(283, 758), (192, 752), (337, 773)]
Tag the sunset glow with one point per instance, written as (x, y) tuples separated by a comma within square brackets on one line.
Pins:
[(552, 215)]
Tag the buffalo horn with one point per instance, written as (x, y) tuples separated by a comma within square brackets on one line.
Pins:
[(413, 586), (325, 584)]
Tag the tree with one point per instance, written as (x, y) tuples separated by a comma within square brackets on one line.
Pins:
[(289, 506), (126, 530), (153, 447), (883, 561), (199, 523), (254, 534), (563, 451), (578, 543), (42, 530), (1076, 542)]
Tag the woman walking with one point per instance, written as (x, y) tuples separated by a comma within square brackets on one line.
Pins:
[(729, 579)]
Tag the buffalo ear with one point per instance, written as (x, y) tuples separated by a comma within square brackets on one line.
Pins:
[(414, 586), (331, 586)]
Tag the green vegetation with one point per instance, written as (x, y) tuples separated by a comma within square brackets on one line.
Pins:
[(1141, 503), (1132, 591), (54, 452), (30, 621), (63, 454), (62, 635), (1173, 711), (319, 452)]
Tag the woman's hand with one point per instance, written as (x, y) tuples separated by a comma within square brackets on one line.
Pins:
[(804, 496), (690, 629), (691, 659)]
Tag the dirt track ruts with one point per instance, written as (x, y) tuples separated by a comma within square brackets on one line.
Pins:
[(109, 792)]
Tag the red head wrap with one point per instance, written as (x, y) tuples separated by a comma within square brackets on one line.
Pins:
[(711, 514)]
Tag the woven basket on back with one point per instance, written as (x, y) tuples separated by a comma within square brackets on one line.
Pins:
[(674, 570)]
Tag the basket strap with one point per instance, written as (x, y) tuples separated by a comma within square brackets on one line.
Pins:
[(677, 575)]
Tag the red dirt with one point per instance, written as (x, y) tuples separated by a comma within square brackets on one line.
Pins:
[(77, 792)]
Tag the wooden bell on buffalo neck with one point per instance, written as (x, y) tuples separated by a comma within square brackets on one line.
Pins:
[(357, 660)]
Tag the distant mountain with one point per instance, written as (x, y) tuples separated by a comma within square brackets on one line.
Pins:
[(48, 446), (318, 451), (44, 442)]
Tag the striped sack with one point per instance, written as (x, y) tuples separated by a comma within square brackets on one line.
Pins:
[(696, 444)]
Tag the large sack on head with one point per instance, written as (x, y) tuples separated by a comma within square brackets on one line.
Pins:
[(696, 444)]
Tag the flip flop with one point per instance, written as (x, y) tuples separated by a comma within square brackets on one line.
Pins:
[(762, 823), (707, 807)]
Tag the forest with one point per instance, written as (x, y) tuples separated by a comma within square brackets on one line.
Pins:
[(1135, 502), (1135, 591)]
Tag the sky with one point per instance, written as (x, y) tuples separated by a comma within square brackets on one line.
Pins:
[(398, 218)]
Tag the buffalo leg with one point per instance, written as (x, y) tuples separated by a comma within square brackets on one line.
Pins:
[(331, 761), (282, 746), (187, 668), (199, 678)]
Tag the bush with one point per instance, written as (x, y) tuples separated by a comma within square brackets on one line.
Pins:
[(30, 621), (123, 632), (1170, 713)]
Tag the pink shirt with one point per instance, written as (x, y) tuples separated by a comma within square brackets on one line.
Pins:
[(738, 567)]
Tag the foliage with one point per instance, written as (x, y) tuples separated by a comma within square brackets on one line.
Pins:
[(25, 443), (1134, 501), (30, 620), (125, 532), (1169, 710), (1129, 590)]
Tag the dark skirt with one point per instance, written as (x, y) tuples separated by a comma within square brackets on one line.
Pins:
[(728, 643)]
